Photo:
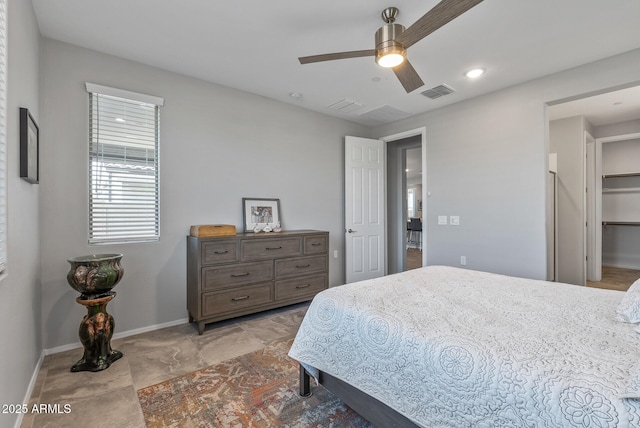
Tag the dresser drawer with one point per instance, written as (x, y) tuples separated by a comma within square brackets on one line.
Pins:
[(218, 252), (256, 249), (215, 303), (316, 244), (237, 274), (301, 265), (293, 288)]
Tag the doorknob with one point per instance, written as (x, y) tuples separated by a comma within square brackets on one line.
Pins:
[(351, 230)]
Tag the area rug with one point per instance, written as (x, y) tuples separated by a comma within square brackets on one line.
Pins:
[(259, 389)]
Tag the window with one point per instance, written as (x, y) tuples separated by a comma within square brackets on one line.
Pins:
[(3, 136), (123, 166), (411, 199)]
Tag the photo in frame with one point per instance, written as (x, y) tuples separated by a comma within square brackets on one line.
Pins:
[(257, 213), (29, 147)]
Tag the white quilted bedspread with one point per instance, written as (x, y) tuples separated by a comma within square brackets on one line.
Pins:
[(448, 347)]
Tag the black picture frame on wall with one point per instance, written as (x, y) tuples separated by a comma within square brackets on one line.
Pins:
[(29, 147)]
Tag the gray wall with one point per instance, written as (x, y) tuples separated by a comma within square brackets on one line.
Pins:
[(217, 145), (487, 162), (620, 128), (20, 286)]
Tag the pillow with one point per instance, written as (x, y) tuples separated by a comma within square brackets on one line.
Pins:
[(629, 308)]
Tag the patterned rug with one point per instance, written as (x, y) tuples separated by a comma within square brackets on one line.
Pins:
[(259, 389)]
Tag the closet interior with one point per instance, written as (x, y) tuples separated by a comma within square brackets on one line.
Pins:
[(620, 210)]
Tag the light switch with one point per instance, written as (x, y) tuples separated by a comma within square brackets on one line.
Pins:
[(442, 219), (454, 220)]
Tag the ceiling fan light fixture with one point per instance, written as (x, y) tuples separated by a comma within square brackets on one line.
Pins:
[(392, 40), (389, 53), (391, 57)]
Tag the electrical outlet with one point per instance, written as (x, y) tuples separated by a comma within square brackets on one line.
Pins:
[(463, 260), (442, 220), (335, 254), (454, 220)]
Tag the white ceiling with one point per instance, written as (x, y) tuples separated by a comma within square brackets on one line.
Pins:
[(611, 107), (253, 45)]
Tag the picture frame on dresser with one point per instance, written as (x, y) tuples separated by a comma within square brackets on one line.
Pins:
[(258, 212)]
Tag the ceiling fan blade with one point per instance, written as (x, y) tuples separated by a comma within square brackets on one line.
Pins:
[(408, 76), (336, 55), (442, 13)]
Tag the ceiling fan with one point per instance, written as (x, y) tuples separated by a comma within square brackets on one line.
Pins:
[(392, 40)]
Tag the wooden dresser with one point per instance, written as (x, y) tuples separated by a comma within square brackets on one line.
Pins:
[(229, 276)]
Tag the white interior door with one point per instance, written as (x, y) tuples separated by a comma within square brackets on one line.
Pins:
[(364, 208)]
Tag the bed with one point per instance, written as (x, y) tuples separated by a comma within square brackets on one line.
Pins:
[(446, 347)]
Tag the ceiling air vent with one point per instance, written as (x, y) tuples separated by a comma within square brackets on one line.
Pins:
[(438, 91), (346, 105), (382, 114)]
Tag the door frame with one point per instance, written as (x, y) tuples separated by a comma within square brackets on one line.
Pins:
[(590, 265), (422, 131)]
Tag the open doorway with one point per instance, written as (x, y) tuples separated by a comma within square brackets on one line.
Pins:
[(413, 174), (404, 204), (603, 220), (617, 209)]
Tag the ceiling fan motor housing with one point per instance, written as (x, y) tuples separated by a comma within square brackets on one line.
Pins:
[(386, 43)]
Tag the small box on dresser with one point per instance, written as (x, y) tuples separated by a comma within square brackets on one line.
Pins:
[(230, 276)]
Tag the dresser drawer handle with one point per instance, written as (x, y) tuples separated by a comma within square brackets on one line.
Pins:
[(303, 266), (274, 248), (235, 299), (303, 286), (315, 244), (221, 252), (236, 275)]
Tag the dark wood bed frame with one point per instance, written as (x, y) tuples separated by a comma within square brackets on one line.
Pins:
[(373, 410)]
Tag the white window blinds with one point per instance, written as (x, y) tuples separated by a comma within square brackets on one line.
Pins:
[(123, 166), (3, 136)]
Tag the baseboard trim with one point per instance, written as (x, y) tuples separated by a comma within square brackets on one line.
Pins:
[(122, 335), (32, 384), (622, 266)]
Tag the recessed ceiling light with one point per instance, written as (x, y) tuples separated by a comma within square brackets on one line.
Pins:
[(295, 95), (476, 72)]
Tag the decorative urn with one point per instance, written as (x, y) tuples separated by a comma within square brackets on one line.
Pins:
[(95, 275)]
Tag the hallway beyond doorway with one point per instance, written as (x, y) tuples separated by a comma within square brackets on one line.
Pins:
[(414, 258)]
